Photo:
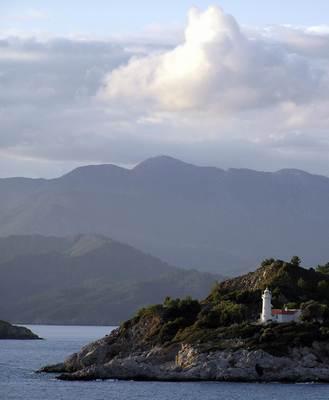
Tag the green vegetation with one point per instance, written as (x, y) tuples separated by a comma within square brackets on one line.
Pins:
[(290, 284), (296, 261), (267, 261), (323, 269), (224, 313), (228, 317), (313, 311)]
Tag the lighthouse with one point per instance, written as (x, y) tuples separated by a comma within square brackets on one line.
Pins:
[(267, 306)]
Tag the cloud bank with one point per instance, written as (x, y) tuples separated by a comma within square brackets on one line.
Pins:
[(222, 94), (217, 67)]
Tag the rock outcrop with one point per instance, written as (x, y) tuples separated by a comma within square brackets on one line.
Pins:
[(101, 360), (8, 331), (133, 353), (217, 339)]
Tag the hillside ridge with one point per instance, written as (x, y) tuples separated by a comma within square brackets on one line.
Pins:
[(220, 338), (206, 218), (85, 279)]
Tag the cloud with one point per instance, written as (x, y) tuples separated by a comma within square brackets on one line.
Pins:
[(217, 67), (304, 41), (222, 94)]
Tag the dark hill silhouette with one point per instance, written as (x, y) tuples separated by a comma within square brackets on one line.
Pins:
[(87, 279)]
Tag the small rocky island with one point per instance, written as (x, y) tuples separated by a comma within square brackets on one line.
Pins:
[(220, 338), (9, 331)]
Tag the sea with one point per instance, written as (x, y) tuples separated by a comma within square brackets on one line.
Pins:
[(20, 359)]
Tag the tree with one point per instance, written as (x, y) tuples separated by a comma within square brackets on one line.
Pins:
[(224, 313), (295, 261), (313, 311), (187, 309), (291, 305), (323, 287), (302, 284), (267, 261), (324, 269)]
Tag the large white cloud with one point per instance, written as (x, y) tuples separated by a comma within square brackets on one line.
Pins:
[(217, 67), (221, 94)]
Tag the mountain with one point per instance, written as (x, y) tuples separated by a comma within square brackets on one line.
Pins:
[(86, 279), (220, 338), (206, 218)]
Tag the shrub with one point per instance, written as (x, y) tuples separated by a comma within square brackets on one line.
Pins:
[(295, 261), (313, 311), (267, 261), (248, 297), (323, 287), (169, 330), (302, 284), (278, 263), (224, 313), (323, 269), (147, 311), (187, 308), (291, 305)]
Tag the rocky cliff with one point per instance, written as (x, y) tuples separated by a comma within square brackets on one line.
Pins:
[(130, 354)]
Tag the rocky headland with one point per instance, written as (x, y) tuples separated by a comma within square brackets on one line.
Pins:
[(218, 339), (9, 331)]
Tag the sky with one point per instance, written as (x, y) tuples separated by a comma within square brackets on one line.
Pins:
[(230, 84)]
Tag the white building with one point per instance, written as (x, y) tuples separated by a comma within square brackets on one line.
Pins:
[(276, 315), (266, 314), (286, 315)]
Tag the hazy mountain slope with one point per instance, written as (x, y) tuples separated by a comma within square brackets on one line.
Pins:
[(86, 280), (199, 217), (15, 246)]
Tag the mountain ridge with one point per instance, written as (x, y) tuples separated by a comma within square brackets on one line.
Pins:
[(163, 161), (85, 279), (206, 218)]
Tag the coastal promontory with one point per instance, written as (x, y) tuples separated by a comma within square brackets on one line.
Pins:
[(9, 331), (220, 338)]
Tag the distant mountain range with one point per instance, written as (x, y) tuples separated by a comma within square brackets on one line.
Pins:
[(86, 279), (207, 218)]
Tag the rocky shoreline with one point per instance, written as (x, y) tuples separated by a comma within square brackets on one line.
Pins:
[(187, 363), (9, 331), (218, 339)]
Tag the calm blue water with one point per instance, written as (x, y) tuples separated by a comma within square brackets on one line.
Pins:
[(19, 360)]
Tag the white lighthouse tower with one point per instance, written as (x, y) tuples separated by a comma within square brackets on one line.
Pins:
[(267, 306)]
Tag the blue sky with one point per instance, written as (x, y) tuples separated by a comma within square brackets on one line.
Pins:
[(101, 17)]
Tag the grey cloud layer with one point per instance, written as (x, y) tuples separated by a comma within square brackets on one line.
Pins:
[(225, 96)]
